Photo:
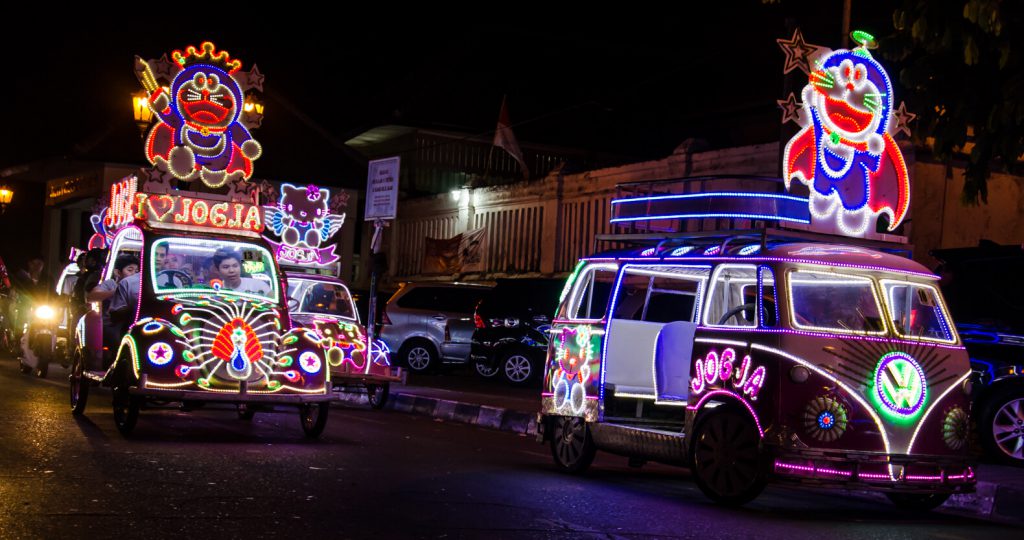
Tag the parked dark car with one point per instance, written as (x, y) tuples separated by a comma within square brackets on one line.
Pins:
[(985, 292), (512, 321)]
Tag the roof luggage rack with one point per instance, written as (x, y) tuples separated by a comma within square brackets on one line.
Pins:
[(717, 211)]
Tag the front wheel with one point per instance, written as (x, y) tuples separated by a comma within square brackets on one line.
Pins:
[(1001, 426), (377, 395), (24, 368), (245, 411), (728, 464), (917, 502), (313, 417), (572, 447), (126, 410)]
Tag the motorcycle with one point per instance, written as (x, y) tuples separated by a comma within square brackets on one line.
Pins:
[(41, 342)]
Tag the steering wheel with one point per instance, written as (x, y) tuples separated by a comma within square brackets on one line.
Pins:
[(735, 311), (174, 278), (293, 304)]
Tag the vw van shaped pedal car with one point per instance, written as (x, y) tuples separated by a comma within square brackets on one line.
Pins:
[(761, 355), (207, 320)]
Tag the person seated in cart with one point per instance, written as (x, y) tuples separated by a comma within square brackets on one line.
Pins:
[(229, 267), (124, 266)]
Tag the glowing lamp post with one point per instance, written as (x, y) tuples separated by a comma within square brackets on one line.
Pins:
[(143, 114), (6, 194)]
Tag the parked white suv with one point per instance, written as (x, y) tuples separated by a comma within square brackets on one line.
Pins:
[(418, 321)]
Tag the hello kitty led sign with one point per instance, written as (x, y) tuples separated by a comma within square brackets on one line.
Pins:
[(845, 154), (303, 220), (199, 131)]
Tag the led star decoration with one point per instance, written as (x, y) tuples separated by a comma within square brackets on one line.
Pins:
[(790, 108), (198, 133), (799, 54), (844, 153), (902, 118)]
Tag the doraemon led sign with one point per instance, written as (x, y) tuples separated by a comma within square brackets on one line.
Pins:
[(844, 153), (198, 132)]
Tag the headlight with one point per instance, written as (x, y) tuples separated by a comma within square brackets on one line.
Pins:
[(45, 313)]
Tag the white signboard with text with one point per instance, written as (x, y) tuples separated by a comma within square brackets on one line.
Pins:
[(382, 189)]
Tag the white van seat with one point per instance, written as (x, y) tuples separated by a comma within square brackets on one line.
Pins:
[(672, 360), (630, 362)]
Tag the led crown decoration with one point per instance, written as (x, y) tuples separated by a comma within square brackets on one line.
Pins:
[(198, 133), (845, 153)]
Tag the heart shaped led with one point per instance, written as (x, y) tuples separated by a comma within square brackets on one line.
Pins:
[(161, 206)]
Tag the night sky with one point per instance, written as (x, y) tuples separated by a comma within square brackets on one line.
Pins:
[(633, 84)]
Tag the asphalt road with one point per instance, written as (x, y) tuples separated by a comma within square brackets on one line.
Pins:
[(374, 474)]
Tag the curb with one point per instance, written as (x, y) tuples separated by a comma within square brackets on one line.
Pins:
[(453, 411), (991, 501)]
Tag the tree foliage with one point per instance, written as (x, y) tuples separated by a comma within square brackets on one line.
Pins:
[(961, 71)]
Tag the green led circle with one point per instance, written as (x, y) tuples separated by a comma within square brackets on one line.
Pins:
[(900, 386)]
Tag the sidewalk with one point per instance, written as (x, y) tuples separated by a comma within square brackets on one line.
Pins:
[(462, 397)]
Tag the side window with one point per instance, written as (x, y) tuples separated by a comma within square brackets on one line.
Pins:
[(418, 298), (591, 293), (632, 296), (732, 299), (768, 305)]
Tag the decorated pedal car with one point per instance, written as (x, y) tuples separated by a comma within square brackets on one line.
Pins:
[(301, 220), (753, 353), (202, 330)]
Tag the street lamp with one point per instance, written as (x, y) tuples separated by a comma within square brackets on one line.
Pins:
[(6, 194), (143, 114), (252, 111)]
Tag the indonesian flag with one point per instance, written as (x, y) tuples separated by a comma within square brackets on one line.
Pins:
[(505, 139)]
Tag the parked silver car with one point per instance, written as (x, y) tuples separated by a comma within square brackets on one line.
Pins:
[(425, 323)]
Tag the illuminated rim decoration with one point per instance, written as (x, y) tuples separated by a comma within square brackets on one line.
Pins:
[(845, 153), (900, 385), (160, 353), (825, 419), (955, 429), (309, 362)]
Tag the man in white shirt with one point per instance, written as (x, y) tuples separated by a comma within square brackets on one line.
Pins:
[(229, 266)]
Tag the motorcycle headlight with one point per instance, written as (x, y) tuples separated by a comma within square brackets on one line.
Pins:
[(45, 313)]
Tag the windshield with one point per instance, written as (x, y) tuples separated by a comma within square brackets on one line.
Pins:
[(190, 264), (320, 297)]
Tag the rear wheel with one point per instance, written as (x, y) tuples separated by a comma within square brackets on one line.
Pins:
[(377, 394), (419, 355), (484, 369), (126, 410), (728, 465), (571, 444), (313, 417), (24, 368), (918, 502), (517, 367), (78, 386)]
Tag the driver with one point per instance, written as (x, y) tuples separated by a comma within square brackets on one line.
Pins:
[(229, 266)]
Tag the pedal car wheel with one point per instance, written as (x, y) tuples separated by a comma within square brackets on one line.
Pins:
[(377, 394), (1001, 426), (78, 387), (42, 370), (571, 445), (728, 465), (126, 410), (313, 417), (24, 368), (245, 411), (917, 502)]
